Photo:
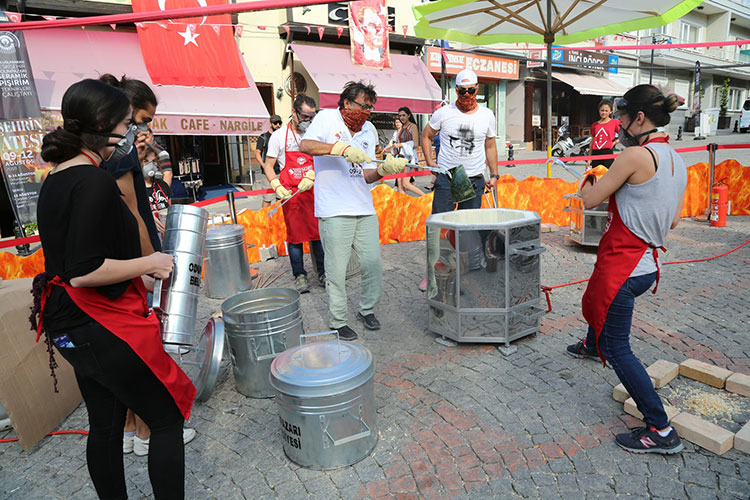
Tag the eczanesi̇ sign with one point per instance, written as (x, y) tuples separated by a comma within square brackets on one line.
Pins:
[(484, 66)]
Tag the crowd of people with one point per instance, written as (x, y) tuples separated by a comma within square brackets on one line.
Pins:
[(100, 218)]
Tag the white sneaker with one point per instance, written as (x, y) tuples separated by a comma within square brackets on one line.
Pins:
[(140, 446), (127, 443)]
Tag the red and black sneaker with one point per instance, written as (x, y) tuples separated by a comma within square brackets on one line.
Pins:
[(648, 440)]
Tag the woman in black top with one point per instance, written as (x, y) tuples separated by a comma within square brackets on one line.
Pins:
[(91, 299)]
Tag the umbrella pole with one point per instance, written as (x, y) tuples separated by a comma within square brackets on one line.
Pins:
[(549, 38)]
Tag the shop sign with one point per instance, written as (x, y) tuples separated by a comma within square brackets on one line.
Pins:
[(614, 62), (584, 59), (338, 14), (536, 54), (497, 68), (536, 120)]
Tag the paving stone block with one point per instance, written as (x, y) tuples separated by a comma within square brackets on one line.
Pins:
[(704, 434), (631, 409), (739, 383), (704, 372), (742, 439), (620, 394), (662, 372)]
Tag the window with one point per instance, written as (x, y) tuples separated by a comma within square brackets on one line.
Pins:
[(682, 89), (736, 98), (659, 30), (689, 33)]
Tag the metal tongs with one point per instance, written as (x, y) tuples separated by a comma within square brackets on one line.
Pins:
[(557, 161), (438, 170), (277, 207)]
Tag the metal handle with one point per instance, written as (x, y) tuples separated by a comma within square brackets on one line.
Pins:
[(273, 353), (527, 251), (348, 439), (306, 335), (156, 301), (232, 207), (530, 317)]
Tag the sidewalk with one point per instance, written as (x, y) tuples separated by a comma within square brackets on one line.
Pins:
[(465, 422)]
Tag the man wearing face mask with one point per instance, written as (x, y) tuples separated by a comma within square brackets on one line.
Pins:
[(261, 153), (296, 171), (343, 203)]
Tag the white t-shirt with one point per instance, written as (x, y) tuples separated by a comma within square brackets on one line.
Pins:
[(340, 187), (276, 146), (462, 137)]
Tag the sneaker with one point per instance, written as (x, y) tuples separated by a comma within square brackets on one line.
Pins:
[(370, 321), (322, 279), (302, 284), (581, 351), (140, 446), (346, 333), (127, 442), (648, 440), (423, 284)]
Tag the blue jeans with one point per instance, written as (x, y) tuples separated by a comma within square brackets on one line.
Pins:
[(441, 202), (614, 343), (296, 253)]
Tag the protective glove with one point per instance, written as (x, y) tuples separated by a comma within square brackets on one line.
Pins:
[(307, 181), (391, 166), (352, 154), (281, 191), (590, 178)]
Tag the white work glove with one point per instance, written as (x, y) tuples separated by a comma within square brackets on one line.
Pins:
[(391, 166), (307, 181), (352, 154), (281, 191)]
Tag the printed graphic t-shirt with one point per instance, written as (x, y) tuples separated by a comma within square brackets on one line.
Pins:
[(462, 137), (604, 134), (340, 187)]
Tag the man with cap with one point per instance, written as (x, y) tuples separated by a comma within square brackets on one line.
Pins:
[(467, 137), (261, 150)]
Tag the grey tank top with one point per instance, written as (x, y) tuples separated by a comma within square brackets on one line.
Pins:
[(648, 209)]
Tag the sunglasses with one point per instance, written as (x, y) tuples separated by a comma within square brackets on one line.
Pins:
[(366, 107), (275, 123), (470, 91), (305, 116)]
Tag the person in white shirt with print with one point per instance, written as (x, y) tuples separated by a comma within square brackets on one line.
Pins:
[(343, 203)]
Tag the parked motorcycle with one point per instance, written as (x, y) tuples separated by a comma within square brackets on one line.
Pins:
[(570, 146)]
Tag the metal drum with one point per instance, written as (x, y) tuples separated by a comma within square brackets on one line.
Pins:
[(176, 298), (259, 325), (324, 393), (227, 269)]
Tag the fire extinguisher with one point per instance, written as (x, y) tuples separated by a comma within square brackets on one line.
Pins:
[(719, 201)]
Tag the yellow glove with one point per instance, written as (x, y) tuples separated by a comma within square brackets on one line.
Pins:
[(281, 191), (307, 181), (391, 166), (352, 154)]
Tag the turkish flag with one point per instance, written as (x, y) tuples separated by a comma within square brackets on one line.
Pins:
[(188, 51)]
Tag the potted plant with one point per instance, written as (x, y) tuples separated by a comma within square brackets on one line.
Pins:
[(724, 120)]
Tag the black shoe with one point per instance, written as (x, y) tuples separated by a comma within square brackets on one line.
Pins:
[(371, 322), (647, 440), (346, 333), (581, 351)]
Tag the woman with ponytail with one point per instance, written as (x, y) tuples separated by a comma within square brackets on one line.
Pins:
[(645, 187), (91, 299)]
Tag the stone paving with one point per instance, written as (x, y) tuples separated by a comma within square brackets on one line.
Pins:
[(466, 421)]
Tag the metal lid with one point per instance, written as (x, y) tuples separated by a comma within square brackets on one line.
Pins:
[(222, 232), (202, 363), (322, 369)]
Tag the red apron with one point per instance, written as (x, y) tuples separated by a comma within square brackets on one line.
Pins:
[(618, 255), (126, 318), (299, 212)]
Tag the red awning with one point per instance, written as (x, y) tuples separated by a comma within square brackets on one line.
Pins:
[(407, 83), (61, 57)]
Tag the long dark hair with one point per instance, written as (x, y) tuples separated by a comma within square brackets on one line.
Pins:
[(655, 104), (139, 93), (408, 112), (88, 107)]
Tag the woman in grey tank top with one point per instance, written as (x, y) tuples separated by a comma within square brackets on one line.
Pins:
[(646, 188)]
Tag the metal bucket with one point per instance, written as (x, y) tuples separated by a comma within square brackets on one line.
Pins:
[(176, 298), (325, 398), (259, 325), (227, 269)]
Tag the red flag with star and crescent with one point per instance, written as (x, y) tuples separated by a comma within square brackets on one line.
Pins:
[(191, 52)]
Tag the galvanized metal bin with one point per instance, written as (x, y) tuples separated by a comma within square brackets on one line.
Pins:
[(259, 325), (176, 298), (586, 226), (326, 403), (483, 274), (227, 269)]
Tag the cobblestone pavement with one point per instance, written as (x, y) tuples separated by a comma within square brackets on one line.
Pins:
[(466, 421)]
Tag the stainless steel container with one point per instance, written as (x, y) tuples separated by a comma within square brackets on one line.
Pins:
[(259, 325), (483, 270), (176, 298), (324, 393), (586, 226), (227, 269)]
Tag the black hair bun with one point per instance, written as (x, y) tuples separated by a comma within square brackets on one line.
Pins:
[(670, 103), (110, 79), (60, 145)]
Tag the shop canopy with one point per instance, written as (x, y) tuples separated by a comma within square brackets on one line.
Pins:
[(61, 57), (408, 83), (590, 84)]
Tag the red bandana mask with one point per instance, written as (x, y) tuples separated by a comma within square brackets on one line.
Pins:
[(354, 118), (466, 102)]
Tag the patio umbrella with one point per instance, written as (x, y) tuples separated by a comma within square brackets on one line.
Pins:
[(484, 22)]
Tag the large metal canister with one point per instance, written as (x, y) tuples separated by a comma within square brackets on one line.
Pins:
[(227, 269), (324, 394), (176, 298), (259, 325)]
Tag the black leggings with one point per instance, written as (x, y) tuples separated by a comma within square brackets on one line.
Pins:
[(112, 378), (598, 152)]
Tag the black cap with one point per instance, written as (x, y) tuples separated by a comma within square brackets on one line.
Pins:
[(275, 119)]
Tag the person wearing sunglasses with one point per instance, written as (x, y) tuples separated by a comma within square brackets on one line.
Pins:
[(261, 151), (645, 187), (296, 173)]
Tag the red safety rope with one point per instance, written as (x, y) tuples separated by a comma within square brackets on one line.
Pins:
[(56, 433)]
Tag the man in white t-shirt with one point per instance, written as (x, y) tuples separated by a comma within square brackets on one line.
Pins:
[(467, 137), (343, 203), (296, 171)]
